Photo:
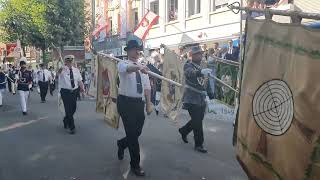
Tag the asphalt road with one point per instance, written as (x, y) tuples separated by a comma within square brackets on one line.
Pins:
[(36, 147)]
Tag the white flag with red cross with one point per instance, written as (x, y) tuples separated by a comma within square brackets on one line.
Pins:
[(149, 19)]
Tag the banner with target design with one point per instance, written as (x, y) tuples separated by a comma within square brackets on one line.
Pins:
[(107, 91), (278, 127)]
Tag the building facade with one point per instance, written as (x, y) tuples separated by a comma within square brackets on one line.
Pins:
[(191, 21), (181, 22)]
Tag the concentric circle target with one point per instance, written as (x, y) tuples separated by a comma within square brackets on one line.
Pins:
[(273, 107)]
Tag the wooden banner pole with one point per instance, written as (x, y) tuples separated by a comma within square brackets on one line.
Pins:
[(149, 72)]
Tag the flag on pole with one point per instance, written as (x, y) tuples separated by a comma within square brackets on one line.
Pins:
[(123, 20), (171, 95), (278, 134), (145, 25), (101, 29), (108, 91)]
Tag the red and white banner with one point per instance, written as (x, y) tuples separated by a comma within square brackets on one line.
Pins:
[(123, 19), (101, 28), (145, 25)]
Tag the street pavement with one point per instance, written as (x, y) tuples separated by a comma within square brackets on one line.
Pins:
[(36, 147)]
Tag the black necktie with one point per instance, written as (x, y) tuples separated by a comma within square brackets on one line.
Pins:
[(44, 78), (139, 84), (71, 78)]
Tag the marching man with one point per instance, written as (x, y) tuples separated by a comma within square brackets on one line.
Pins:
[(69, 81), (24, 80), (3, 83), (134, 87), (194, 98), (44, 77)]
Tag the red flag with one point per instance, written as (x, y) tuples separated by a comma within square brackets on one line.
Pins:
[(145, 25)]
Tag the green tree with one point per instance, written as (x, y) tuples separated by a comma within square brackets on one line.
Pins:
[(67, 22), (43, 23), (24, 20)]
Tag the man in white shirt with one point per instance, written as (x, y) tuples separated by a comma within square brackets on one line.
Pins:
[(134, 87), (69, 81), (53, 80), (43, 76)]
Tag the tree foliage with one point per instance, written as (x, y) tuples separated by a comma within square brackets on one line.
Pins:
[(41, 23)]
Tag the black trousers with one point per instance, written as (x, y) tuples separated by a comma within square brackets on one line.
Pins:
[(43, 89), (9, 85), (52, 87), (69, 99), (195, 124), (131, 111)]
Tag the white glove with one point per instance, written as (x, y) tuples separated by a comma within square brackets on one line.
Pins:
[(206, 72)]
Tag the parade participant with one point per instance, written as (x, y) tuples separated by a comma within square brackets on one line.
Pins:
[(43, 76), (30, 69), (3, 83), (194, 98), (35, 76), (134, 84), (86, 80), (10, 70), (24, 80), (53, 80), (69, 81)]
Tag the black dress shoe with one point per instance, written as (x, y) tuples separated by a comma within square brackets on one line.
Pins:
[(24, 113), (201, 149), (72, 131), (138, 171), (184, 137), (120, 152)]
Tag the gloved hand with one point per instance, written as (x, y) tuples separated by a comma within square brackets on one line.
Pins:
[(206, 72)]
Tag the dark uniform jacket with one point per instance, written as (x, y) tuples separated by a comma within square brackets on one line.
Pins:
[(195, 91), (25, 78), (2, 80)]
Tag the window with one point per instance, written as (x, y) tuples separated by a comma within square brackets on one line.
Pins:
[(172, 10), (154, 7), (217, 4), (194, 7), (136, 18)]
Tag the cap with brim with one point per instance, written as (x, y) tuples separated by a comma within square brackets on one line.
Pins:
[(133, 44), (69, 58), (196, 49)]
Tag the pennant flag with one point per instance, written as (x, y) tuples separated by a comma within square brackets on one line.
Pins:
[(93, 85), (145, 25), (123, 19), (100, 32), (171, 95), (278, 126), (107, 91)]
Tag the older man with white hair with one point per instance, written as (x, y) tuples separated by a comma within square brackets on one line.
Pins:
[(69, 81)]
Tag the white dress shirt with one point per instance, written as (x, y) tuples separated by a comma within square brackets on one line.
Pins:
[(64, 78), (46, 74), (128, 82)]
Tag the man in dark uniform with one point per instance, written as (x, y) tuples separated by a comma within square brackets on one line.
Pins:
[(24, 79), (134, 86), (194, 98), (10, 71)]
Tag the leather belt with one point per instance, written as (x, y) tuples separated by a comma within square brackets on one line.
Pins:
[(132, 99)]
